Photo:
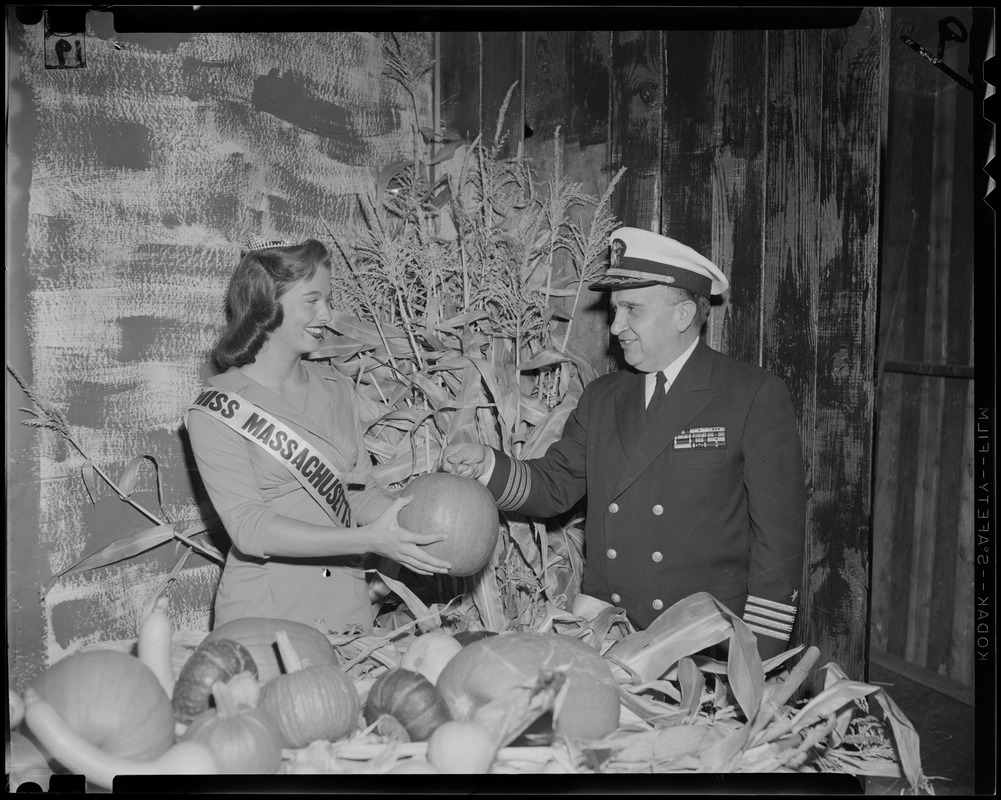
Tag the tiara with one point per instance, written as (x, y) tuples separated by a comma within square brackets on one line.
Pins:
[(260, 243)]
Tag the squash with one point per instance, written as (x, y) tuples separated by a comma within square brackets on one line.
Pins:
[(489, 668), (410, 699), (15, 706), (465, 748), (153, 644), (460, 507), (100, 767), (212, 661), (110, 699), (257, 634), (243, 739), (429, 653), (312, 702)]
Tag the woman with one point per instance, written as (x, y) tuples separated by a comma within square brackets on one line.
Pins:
[(295, 555)]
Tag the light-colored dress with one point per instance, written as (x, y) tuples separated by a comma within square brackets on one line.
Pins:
[(249, 487)]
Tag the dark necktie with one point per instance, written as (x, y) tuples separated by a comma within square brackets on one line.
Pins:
[(658, 395)]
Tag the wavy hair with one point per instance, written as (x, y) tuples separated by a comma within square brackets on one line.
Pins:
[(257, 284)]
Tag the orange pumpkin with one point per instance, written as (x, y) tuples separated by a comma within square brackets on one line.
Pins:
[(111, 699), (460, 507), (242, 739), (491, 667), (312, 702)]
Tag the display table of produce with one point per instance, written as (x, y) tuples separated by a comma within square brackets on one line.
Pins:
[(260, 696)]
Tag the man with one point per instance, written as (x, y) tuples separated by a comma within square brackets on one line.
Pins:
[(701, 491)]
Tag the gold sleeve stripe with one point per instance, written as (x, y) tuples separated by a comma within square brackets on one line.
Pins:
[(519, 484), (768, 632), (770, 623), (749, 608), (760, 601)]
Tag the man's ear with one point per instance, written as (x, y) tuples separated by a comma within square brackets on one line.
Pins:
[(684, 315)]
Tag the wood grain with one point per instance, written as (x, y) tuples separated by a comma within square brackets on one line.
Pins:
[(637, 121), (852, 66), (790, 267)]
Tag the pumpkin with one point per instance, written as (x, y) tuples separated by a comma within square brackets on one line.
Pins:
[(112, 700), (410, 699), (312, 702), (460, 507), (429, 653), (213, 661), (489, 668), (243, 739), (257, 634), (83, 757)]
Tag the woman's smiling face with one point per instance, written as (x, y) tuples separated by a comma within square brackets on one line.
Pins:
[(306, 307)]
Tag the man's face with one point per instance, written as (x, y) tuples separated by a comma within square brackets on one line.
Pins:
[(647, 325)]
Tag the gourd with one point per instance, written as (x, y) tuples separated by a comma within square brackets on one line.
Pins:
[(153, 644), (15, 706), (99, 766), (110, 699), (242, 738), (491, 667), (460, 507), (213, 661), (312, 702), (410, 699), (462, 748), (429, 653), (257, 634)]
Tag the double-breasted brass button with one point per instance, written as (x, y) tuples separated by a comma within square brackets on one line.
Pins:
[(611, 553), (658, 509), (657, 605), (613, 508), (615, 598), (657, 556)]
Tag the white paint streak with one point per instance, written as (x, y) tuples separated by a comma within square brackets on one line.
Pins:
[(121, 593)]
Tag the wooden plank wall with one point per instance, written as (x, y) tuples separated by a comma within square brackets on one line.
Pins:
[(922, 608), (760, 148)]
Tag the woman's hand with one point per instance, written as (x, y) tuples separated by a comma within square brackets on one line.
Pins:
[(402, 546), (467, 459)]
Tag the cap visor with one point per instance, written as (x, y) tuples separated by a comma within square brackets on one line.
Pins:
[(621, 282)]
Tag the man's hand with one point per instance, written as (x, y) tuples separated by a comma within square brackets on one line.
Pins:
[(467, 459)]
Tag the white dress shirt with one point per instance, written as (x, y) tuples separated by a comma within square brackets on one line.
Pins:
[(670, 372)]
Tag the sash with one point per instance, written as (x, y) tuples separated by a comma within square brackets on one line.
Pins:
[(317, 475)]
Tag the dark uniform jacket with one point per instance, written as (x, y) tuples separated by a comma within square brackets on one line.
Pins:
[(708, 495)]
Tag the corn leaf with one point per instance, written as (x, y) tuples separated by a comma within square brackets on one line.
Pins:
[(487, 598), (118, 550), (548, 431), (830, 701), (427, 618), (388, 173), (692, 684), (130, 475), (339, 347), (905, 738), (89, 481), (743, 669), (690, 625)]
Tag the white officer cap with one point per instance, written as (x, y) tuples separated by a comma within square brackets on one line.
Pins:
[(641, 258)]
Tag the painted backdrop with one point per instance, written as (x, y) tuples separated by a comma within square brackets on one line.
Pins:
[(132, 183)]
